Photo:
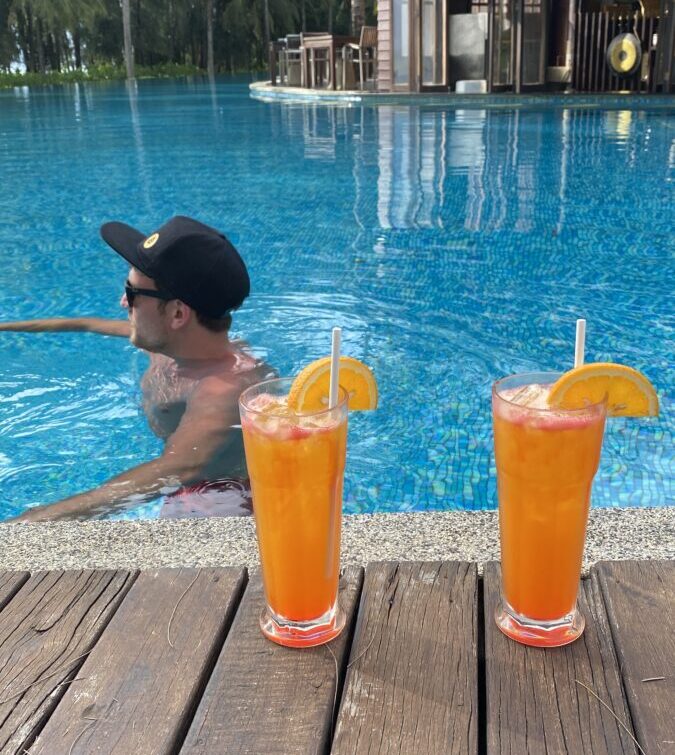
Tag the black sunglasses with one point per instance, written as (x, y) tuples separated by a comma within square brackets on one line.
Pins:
[(131, 292)]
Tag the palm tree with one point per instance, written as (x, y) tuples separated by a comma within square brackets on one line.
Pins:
[(209, 38), (253, 22), (358, 15), (128, 46), (266, 11), (43, 30)]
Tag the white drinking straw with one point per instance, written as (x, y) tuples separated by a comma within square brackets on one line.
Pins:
[(580, 343), (332, 402), (334, 368)]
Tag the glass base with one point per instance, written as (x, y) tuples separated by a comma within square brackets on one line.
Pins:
[(302, 634), (541, 634)]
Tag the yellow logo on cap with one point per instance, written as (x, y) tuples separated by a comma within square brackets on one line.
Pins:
[(150, 241)]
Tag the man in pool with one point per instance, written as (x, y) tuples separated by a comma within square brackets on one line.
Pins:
[(185, 280)]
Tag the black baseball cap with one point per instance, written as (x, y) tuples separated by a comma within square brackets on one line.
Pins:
[(190, 260)]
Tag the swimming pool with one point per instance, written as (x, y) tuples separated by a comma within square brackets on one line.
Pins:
[(453, 246)]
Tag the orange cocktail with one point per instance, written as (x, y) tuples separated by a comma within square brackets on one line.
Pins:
[(546, 459), (296, 464)]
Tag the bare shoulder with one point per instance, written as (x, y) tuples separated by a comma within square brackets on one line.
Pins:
[(213, 386), (222, 383), (214, 393), (225, 386)]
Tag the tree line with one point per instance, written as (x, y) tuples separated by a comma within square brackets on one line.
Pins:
[(46, 36)]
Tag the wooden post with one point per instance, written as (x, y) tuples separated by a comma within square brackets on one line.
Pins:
[(593, 54), (606, 39), (128, 46), (587, 52), (571, 53), (560, 24), (664, 56), (517, 72), (271, 64), (490, 44), (543, 47)]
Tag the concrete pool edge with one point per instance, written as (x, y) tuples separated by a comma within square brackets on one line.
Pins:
[(265, 92), (644, 533)]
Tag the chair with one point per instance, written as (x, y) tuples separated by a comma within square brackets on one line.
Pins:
[(309, 58), (276, 54), (293, 60), (364, 53)]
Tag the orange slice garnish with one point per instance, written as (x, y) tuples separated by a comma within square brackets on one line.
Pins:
[(309, 391), (629, 393)]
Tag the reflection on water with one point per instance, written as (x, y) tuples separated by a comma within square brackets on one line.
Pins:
[(141, 173), (422, 153), (453, 246), (618, 124)]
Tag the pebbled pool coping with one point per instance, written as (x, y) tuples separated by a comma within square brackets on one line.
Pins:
[(647, 533)]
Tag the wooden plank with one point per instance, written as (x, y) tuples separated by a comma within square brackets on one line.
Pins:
[(639, 27), (666, 46), (384, 65), (264, 698), (591, 49), (582, 50), (534, 703), (640, 600), (584, 53), (491, 45), (10, 582), (643, 86), (518, 6), (412, 679), (600, 53), (613, 78), (143, 680), (576, 59), (593, 53), (51, 624), (652, 79), (605, 26)]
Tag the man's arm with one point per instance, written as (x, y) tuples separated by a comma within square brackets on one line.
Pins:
[(84, 324), (210, 413)]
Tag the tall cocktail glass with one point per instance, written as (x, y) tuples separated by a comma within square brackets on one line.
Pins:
[(296, 465), (546, 459)]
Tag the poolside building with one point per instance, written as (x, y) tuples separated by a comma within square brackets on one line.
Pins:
[(495, 46)]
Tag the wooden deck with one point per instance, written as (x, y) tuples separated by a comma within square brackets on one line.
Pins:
[(172, 660)]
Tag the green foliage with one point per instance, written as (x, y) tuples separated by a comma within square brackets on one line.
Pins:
[(81, 40), (103, 72)]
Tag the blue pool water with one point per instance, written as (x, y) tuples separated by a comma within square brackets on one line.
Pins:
[(453, 246)]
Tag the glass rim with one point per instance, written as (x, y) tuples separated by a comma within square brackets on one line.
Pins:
[(343, 399), (543, 373)]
